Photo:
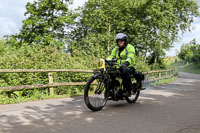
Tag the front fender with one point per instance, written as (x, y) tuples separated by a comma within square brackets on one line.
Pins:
[(97, 75)]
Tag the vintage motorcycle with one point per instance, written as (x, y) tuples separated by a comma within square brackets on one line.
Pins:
[(106, 84)]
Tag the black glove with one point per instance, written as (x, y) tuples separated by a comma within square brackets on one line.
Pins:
[(125, 65)]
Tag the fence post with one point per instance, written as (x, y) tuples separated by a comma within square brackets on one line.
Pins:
[(51, 91), (172, 73), (159, 77)]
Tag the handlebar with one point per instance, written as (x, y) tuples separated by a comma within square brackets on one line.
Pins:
[(112, 62)]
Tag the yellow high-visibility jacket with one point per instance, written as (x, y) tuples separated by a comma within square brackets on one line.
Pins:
[(128, 54)]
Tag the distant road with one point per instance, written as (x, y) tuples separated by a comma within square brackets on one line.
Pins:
[(172, 108)]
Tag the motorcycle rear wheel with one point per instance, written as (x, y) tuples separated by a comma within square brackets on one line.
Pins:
[(134, 96), (95, 93)]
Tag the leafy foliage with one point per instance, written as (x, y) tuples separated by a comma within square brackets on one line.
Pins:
[(190, 52), (152, 25), (46, 22), (38, 57)]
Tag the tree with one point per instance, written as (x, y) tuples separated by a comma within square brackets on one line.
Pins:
[(98, 23), (152, 25), (190, 52), (46, 23), (163, 20)]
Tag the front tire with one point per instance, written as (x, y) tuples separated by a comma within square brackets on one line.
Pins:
[(95, 93)]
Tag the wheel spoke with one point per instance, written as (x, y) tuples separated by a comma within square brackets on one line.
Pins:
[(100, 87), (97, 98)]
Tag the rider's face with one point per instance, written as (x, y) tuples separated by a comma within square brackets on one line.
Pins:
[(120, 43)]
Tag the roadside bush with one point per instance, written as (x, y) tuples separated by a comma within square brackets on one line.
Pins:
[(38, 57), (141, 65)]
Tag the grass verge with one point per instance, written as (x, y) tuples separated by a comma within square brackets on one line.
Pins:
[(164, 81), (12, 98), (191, 68)]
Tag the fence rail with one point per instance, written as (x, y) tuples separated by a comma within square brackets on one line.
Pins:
[(150, 76), (42, 70)]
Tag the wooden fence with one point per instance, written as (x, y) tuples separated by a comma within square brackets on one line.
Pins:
[(150, 76)]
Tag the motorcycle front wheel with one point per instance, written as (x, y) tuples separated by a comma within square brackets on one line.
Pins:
[(95, 93)]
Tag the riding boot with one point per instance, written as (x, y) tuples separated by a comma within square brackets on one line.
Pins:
[(128, 87)]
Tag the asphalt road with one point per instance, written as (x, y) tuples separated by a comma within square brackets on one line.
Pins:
[(172, 108)]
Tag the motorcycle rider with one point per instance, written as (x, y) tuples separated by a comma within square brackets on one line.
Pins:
[(125, 55)]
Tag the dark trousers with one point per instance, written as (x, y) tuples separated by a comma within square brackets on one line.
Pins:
[(126, 76)]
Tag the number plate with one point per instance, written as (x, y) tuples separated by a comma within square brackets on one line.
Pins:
[(101, 64)]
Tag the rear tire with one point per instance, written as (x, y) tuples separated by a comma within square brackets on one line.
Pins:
[(95, 93), (134, 96)]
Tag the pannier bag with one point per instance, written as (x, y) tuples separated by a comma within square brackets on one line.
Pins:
[(138, 75)]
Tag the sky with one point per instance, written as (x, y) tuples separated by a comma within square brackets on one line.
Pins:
[(12, 14)]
